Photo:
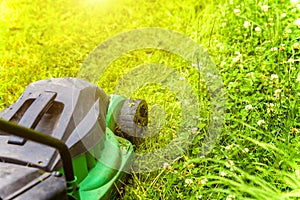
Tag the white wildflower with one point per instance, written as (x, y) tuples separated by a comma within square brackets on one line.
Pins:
[(203, 181), (274, 49), (257, 29), (277, 93), (195, 130), (297, 22), (270, 108), (230, 197), (223, 63), (166, 165), (288, 31), (229, 147), (215, 118), (294, 2), (283, 15), (238, 58), (274, 77), (245, 150), (249, 107), (181, 78), (298, 79), (247, 24), (296, 46), (237, 11), (188, 181), (261, 122), (229, 164), (222, 173), (265, 8)]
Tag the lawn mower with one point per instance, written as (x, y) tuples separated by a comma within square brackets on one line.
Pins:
[(64, 138)]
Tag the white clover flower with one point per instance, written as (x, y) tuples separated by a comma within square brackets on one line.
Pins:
[(238, 58), (274, 49), (248, 107), (223, 63), (247, 24), (257, 29), (274, 77), (298, 6), (294, 2), (237, 11), (181, 78), (296, 46), (203, 181), (220, 45), (277, 93), (188, 181), (230, 163), (245, 150), (229, 147), (283, 15), (298, 79), (230, 197), (261, 122), (215, 118), (288, 31), (265, 8), (166, 165), (195, 130), (270, 108), (222, 173), (297, 22)]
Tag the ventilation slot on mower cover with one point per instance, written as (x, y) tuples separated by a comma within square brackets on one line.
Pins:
[(33, 114)]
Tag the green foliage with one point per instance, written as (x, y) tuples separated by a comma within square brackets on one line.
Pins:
[(256, 49)]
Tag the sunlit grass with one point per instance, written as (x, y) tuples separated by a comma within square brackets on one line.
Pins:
[(255, 46)]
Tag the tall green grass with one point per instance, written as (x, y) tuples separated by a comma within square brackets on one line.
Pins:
[(256, 49)]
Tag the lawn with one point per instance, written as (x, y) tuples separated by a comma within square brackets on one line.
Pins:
[(255, 46)]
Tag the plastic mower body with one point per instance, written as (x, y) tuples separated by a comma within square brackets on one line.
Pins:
[(58, 141)]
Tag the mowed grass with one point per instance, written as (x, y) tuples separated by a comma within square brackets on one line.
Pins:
[(255, 46)]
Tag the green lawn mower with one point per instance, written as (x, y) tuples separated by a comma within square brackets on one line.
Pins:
[(66, 139)]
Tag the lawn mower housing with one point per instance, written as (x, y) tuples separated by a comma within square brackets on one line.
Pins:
[(80, 116)]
